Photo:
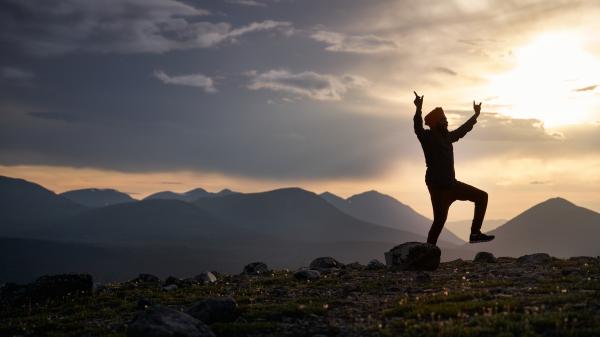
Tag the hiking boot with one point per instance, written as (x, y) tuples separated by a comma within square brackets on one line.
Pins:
[(480, 237)]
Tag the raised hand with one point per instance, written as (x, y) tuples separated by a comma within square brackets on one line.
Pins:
[(418, 100), (477, 108)]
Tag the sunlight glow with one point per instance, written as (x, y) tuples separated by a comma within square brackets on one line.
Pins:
[(554, 80)]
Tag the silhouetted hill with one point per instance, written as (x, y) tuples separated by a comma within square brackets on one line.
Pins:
[(462, 228), (96, 197), (385, 210), (25, 205), (555, 226), (148, 222), (189, 196), (294, 213)]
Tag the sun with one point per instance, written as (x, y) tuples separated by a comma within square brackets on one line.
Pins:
[(554, 80)]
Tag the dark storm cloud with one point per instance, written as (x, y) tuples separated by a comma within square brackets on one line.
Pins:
[(124, 26), (273, 144), (56, 116)]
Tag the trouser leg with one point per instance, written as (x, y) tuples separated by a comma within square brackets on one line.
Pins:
[(479, 197), (440, 202)]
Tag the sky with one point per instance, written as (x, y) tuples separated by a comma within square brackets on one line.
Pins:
[(253, 95)]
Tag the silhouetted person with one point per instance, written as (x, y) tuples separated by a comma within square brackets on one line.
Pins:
[(443, 187)]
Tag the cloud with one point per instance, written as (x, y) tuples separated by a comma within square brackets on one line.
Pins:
[(445, 70), (192, 80), (588, 88), (56, 116), (363, 44), (16, 74), (250, 3), (124, 26), (307, 84)]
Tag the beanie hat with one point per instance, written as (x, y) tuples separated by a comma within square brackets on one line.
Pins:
[(434, 117)]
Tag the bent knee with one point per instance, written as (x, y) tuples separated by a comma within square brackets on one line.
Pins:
[(484, 196)]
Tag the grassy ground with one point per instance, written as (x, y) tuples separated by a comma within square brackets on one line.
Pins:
[(461, 298)]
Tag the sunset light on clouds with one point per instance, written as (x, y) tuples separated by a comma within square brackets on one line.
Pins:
[(144, 96)]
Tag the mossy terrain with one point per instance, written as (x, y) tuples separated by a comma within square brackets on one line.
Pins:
[(461, 298)]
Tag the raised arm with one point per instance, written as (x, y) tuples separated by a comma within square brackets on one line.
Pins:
[(418, 118), (467, 126)]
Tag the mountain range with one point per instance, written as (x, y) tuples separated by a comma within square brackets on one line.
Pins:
[(385, 210), (285, 227), (97, 197), (189, 196)]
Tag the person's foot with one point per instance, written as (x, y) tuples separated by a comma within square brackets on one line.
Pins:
[(480, 237)]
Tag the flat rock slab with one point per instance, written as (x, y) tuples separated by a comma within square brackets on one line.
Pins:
[(414, 256), (159, 321), (210, 310), (537, 258)]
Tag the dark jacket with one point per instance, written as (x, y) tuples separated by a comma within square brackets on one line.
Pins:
[(439, 154)]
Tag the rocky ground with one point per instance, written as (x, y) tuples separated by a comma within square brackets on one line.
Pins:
[(535, 296)]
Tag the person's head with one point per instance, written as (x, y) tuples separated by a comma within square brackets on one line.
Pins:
[(436, 120)]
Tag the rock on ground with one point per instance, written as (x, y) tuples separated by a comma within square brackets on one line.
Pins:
[(307, 274), (159, 321), (375, 265), (210, 310), (146, 278), (256, 268), (414, 256), (325, 263), (206, 277), (537, 258), (485, 257)]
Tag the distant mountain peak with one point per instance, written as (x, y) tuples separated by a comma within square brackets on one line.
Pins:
[(196, 190), (557, 201)]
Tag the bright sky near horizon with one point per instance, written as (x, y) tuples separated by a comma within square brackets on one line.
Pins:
[(150, 95)]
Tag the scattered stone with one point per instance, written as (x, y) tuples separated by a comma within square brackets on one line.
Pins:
[(537, 258), (256, 268), (414, 256), (144, 303), (423, 278), (325, 263), (98, 288), (355, 266), (213, 310), (375, 265), (146, 278), (307, 274), (485, 257), (172, 280), (206, 277), (570, 271), (170, 287), (159, 321), (57, 286)]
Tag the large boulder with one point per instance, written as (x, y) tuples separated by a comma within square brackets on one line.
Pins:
[(210, 310), (537, 258), (414, 256), (159, 321), (325, 263), (256, 268)]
